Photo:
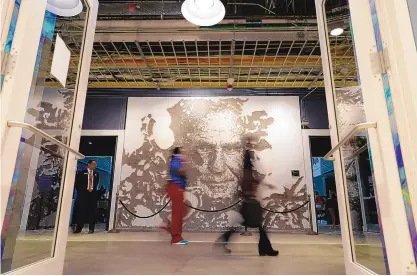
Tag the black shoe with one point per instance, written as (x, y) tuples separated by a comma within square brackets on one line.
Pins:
[(91, 232), (76, 232), (271, 253)]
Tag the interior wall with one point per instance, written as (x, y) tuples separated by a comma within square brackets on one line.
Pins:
[(211, 130)]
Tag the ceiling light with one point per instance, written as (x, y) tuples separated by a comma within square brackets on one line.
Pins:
[(66, 8), (336, 32), (203, 12)]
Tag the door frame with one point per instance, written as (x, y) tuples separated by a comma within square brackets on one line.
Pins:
[(19, 78), (395, 231), (120, 134), (306, 134), (401, 48)]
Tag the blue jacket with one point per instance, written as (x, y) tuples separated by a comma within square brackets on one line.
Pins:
[(174, 166)]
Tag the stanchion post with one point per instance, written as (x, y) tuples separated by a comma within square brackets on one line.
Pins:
[(311, 230), (114, 230)]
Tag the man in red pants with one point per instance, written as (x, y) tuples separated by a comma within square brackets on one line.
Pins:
[(175, 192)]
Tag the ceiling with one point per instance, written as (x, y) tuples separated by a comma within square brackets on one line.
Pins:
[(260, 43)]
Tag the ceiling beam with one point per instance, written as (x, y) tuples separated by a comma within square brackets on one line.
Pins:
[(206, 35)]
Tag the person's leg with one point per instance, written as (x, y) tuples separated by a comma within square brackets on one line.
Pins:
[(81, 215), (333, 216), (264, 246), (177, 203), (93, 214)]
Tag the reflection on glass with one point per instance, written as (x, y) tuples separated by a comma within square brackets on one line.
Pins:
[(28, 233), (367, 240)]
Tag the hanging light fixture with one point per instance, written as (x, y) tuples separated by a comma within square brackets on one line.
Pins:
[(66, 8), (336, 32), (203, 12)]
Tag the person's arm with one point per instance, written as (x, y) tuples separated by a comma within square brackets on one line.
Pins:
[(77, 180)]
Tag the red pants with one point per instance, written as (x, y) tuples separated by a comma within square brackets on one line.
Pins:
[(176, 194)]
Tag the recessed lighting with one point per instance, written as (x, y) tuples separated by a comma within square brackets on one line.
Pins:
[(203, 12), (66, 8), (336, 32), (90, 143)]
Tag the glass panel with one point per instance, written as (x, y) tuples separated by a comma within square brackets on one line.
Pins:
[(29, 228), (367, 236), (367, 239)]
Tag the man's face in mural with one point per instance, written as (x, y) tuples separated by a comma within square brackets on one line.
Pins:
[(217, 151)]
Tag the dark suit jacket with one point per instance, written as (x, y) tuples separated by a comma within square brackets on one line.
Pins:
[(81, 182)]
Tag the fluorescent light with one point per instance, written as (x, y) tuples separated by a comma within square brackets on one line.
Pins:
[(66, 8), (336, 32), (203, 12)]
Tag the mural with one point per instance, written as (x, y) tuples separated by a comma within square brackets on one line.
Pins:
[(350, 112), (52, 113), (211, 132)]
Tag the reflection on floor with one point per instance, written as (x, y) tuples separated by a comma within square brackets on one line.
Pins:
[(151, 253)]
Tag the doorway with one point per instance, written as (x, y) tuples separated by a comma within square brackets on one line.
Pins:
[(324, 186), (102, 149)]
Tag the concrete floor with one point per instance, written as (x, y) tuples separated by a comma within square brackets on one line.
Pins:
[(151, 253)]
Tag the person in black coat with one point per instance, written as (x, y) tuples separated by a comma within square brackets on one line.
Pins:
[(86, 183), (250, 210)]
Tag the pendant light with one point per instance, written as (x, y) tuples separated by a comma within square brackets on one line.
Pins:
[(65, 8), (203, 12)]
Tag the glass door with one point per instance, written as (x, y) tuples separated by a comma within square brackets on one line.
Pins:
[(44, 87), (376, 235)]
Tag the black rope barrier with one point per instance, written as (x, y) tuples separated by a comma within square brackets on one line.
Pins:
[(213, 211), (288, 211), (133, 214)]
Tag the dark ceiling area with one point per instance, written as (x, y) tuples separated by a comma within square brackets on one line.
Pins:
[(235, 9)]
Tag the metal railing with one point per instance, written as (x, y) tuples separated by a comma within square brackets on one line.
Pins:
[(45, 136), (352, 133)]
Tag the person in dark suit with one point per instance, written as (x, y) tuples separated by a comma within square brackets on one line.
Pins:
[(86, 183)]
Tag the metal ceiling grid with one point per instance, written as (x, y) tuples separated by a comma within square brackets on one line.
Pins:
[(187, 64)]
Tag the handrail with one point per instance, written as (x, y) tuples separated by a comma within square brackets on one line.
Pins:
[(355, 130), (44, 135)]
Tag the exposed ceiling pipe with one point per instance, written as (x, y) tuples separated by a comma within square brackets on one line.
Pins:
[(251, 4)]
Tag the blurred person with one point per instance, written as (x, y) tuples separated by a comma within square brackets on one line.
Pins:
[(175, 190), (251, 208)]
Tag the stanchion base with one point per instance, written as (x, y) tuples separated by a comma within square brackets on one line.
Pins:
[(311, 232), (246, 233), (113, 231)]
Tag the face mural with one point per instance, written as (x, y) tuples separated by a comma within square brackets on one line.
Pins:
[(211, 133)]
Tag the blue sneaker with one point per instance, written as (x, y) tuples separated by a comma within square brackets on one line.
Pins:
[(183, 242)]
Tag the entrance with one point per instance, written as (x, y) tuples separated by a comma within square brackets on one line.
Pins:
[(40, 112), (368, 56), (102, 149)]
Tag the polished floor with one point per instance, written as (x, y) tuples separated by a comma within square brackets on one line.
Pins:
[(151, 253)]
